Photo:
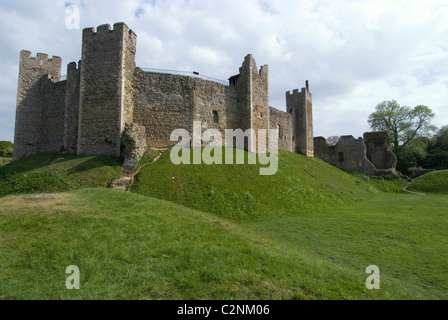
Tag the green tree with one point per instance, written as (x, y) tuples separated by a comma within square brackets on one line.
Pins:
[(6, 148), (403, 123), (438, 150)]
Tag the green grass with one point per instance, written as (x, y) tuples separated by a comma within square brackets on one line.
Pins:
[(216, 232), (404, 235), (133, 247), (240, 192), (57, 173), (432, 182)]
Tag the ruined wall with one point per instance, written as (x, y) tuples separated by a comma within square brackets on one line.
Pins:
[(284, 120), (39, 100), (353, 155), (105, 90), (379, 151), (72, 107), (299, 105), (324, 151)]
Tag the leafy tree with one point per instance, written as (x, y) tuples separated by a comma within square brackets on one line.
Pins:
[(6, 148), (413, 154), (438, 150), (403, 123)]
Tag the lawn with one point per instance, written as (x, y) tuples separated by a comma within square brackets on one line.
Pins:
[(133, 247), (405, 235), (216, 232)]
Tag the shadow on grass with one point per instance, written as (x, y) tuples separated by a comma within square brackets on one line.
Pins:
[(40, 161), (95, 162)]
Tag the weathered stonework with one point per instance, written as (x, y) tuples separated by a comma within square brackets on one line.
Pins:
[(282, 122), (106, 88), (40, 106), (86, 113), (379, 150), (134, 146), (371, 155), (300, 106)]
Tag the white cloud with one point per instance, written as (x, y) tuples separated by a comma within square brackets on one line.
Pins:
[(354, 53)]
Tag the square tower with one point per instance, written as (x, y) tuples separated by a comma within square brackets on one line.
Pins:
[(39, 110), (108, 63), (300, 106), (253, 100)]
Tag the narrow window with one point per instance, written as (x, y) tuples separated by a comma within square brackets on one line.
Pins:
[(290, 111), (278, 131), (341, 156), (260, 114), (215, 116)]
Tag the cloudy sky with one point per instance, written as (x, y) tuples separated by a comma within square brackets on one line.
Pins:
[(355, 54)]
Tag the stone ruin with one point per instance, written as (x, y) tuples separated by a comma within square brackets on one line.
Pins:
[(370, 155)]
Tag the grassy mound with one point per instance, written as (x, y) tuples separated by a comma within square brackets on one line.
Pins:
[(433, 182), (128, 246), (238, 191), (56, 173)]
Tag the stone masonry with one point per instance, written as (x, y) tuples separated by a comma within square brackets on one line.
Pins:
[(371, 155), (105, 95)]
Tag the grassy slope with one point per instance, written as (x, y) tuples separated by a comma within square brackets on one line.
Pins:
[(56, 173), (132, 247), (433, 182), (238, 191)]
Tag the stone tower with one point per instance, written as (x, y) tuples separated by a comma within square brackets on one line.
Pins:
[(300, 106), (33, 113), (106, 81), (253, 99)]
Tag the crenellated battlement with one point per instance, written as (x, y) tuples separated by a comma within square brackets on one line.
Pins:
[(119, 28), (40, 61), (72, 67)]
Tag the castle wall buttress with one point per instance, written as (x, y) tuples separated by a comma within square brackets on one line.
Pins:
[(106, 82), (72, 107)]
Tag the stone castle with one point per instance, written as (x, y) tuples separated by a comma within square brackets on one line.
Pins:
[(106, 94)]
